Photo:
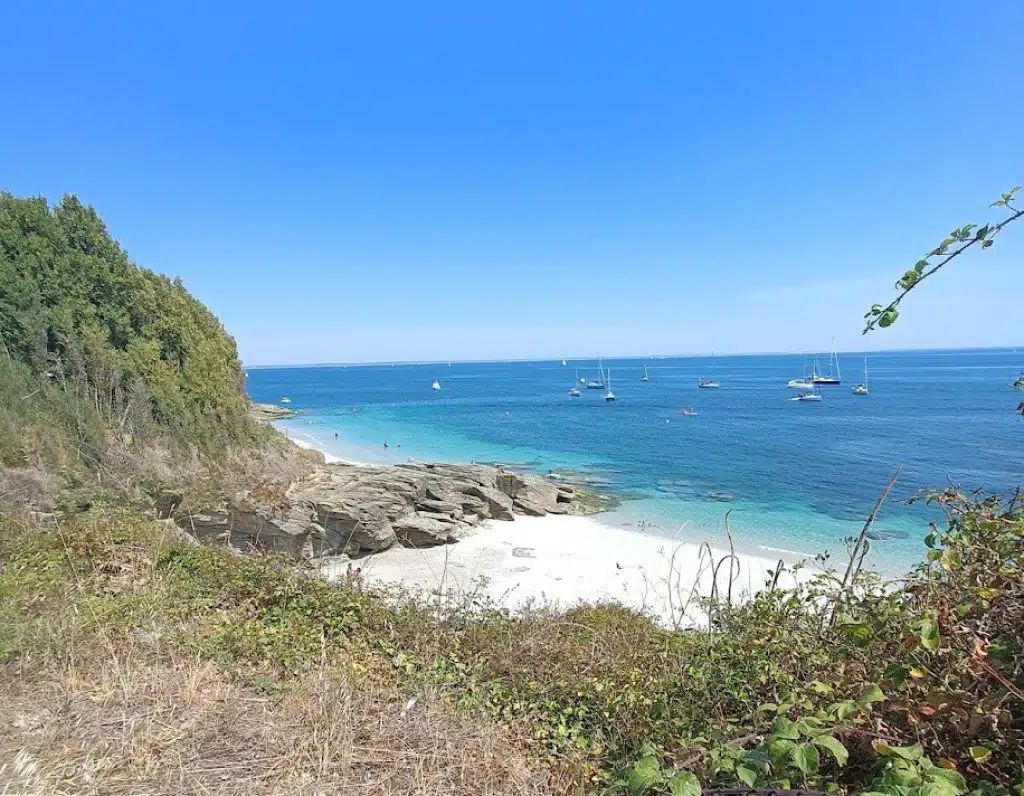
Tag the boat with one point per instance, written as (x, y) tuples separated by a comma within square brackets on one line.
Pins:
[(645, 374), (708, 384), (806, 396), (574, 391), (832, 377), (598, 383), (862, 388), (800, 384), (688, 411), (609, 396), (564, 363), (1019, 383), (286, 400), (436, 385)]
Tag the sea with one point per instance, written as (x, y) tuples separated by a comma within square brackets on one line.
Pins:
[(796, 478)]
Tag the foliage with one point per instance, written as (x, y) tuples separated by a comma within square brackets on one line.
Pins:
[(907, 691), (956, 243), (100, 346)]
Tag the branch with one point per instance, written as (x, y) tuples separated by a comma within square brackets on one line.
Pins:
[(879, 316)]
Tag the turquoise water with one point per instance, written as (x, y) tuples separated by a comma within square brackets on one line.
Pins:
[(798, 477)]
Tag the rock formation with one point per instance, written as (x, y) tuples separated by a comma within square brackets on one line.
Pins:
[(356, 510)]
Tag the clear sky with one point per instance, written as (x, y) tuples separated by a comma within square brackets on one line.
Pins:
[(386, 181)]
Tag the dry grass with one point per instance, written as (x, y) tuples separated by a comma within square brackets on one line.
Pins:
[(175, 726)]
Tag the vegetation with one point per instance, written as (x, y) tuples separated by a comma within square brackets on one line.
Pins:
[(107, 352), (864, 688)]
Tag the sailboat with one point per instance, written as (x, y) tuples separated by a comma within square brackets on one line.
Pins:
[(436, 385), (833, 376), (574, 391), (564, 363), (645, 374), (609, 396), (862, 388), (803, 383), (598, 383)]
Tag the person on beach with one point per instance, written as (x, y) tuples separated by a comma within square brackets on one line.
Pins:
[(386, 445)]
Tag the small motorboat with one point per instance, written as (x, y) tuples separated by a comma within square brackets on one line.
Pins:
[(286, 400), (806, 396), (708, 384), (1019, 383), (688, 411)]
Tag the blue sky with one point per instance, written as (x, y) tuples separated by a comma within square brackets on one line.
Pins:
[(461, 181)]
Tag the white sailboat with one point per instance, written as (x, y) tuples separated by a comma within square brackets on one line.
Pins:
[(436, 385), (598, 383), (804, 382), (862, 388), (645, 378), (833, 377), (609, 396), (574, 391), (564, 363)]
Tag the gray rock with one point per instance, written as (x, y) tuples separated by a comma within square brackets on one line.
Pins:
[(528, 508), (440, 507), (418, 530), (498, 503)]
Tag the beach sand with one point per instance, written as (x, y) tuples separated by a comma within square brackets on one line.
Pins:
[(564, 560)]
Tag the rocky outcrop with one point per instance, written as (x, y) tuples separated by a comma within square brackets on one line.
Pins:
[(357, 510)]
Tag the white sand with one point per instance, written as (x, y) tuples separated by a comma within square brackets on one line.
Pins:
[(564, 560)]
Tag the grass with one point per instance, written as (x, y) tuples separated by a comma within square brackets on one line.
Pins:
[(142, 662)]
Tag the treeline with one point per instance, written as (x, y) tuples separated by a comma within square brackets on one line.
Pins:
[(95, 348)]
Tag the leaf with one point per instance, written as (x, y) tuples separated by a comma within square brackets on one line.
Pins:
[(646, 772), (830, 744), (931, 540), (845, 709), (747, 775), (955, 779), (806, 758), (779, 749), (684, 783), (981, 233), (784, 728), (872, 694), (911, 753), (920, 265), (918, 673), (929, 634), (979, 754), (896, 673), (947, 764), (880, 746), (951, 559), (888, 318)]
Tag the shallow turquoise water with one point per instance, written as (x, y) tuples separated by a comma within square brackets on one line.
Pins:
[(797, 476)]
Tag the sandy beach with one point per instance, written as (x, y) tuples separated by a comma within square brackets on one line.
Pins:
[(564, 560)]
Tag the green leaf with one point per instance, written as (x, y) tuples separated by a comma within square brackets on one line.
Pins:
[(986, 243), (981, 233), (911, 753), (979, 754), (954, 778), (784, 728), (806, 758), (779, 749), (897, 673), (646, 772), (872, 694), (929, 634), (684, 783), (920, 265), (931, 540), (747, 775), (951, 559), (888, 318), (832, 745), (845, 709)]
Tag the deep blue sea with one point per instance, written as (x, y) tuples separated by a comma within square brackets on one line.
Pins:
[(798, 477)]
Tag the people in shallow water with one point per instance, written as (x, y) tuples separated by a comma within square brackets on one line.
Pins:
[(335, 434), (386, 445)]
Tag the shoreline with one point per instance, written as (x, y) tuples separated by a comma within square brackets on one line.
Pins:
[(563, 561)]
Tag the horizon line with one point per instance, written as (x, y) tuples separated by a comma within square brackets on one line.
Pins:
[(570, 360)]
